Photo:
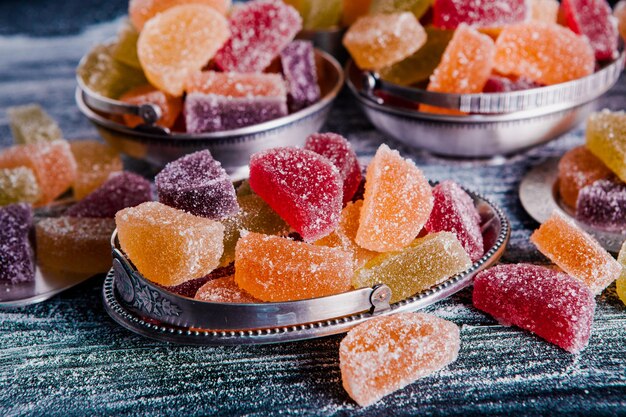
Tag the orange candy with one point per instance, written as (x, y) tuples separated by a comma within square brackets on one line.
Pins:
[(140, 11), (353, 9), (95, 161), (620, 13), (546, 53), (224, 290), (178, 42), (170, 106), (579, 168), (233, 84), (544, 10), (274, 268), (397, 202)]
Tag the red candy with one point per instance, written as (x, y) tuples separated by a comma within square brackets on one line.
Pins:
[(593, 19), (448, 14)]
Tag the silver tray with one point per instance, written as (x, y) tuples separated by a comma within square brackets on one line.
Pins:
[(149, 310), (539, 195)]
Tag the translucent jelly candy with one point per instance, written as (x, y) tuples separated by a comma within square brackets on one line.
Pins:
[(274, 268), (298, 64), (593, 19), (454, 211), (304, 188), (339, 151), (396, 205), (458, 74), (576, 253), (546, 53), (15, 250), (182, 246), (547, 302), (377, 41), (620, 285), (179, 42), (606, 139), (449, 14), (73, 244), (224, 290), (118, 192), (426, 262), (170, 106), (125, 49), (95, 162), (544, 10), (318, 14), (232, 84), (260, 30), (52, 162), (577, 169), (498, 84), (417, 7), (31, 124), (603, 204), (18, 185), (387, 353), (353, 9), (198, 184), (140, 11)]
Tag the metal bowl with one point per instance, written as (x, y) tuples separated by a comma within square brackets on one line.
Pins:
[(497, 123), (328, 40), (232, 148)]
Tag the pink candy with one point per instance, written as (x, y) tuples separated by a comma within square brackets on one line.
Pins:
[(448, 14), (593, 19)]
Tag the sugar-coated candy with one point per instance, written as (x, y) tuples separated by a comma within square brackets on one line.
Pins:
[(602, 204), (120, 191), (606, 139), (544, 10), (274, 268), (304, 188), (181, 246), (198, 184), (576, 253), (73, 244), (16, 254), (454, 211), (546, 53), (353, 9), (52, 162), (244, 189), (500, 84), (456, 73), (95, 162), (593, 19), (191, 287), (224, 290), (426, 262), (31, 124), (239, 85), (298, 64), (396, 205), (417, 7), (125, 49), (619, 11), (18, 185), (146, 94), (449, 14), (545, 301), (260, 29), (178, 42), (620, 284), (387, 353), (377, 41), (339, 151), (318, 14), (577, 169), (140, 11)]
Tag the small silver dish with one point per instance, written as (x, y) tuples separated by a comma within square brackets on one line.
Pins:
[(149, 310), (539, 195)]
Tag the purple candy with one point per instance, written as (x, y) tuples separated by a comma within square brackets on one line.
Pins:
[(16, 256), (603, 204), (298, 62), (118, 192), (498, 84), (198, 184), (214, 113)]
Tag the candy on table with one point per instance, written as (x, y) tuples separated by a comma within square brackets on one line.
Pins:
[(15, 250), (456, 73), (417, 7), (546, 53), (181, 246), (140, 11), (353, 9), (318, 14), (449, 14), (125, 49), (619, 11), (304, 188), (95, 162), (579, 168), (170, 106), (620, 284), (603, 204), (52, 162), (260, 30), (544, 10), (500, 84), (396, 205), (178, 42), (31, 124), (419, 66), (387, 353), (73, 244), (378, 41), (298, 64), (576, 253), (274, 268), (593, 19), (339, 151), (120, 191), (18, 185), (198, 184), (224, 290), (454, 211), (426, 262), (606, 139)]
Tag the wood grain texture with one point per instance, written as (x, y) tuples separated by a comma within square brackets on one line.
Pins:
[(66, 357)]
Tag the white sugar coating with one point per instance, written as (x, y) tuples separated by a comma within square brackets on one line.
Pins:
[(606, 139), (16, 260), (479, 13), (18, 185), (603, 204), (31, 124), (387, 353), (298, 63), (224, 290), (233, 84)]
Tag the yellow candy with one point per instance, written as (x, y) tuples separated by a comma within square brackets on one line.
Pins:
[(621, 281), (606, 139), (95, 161)]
